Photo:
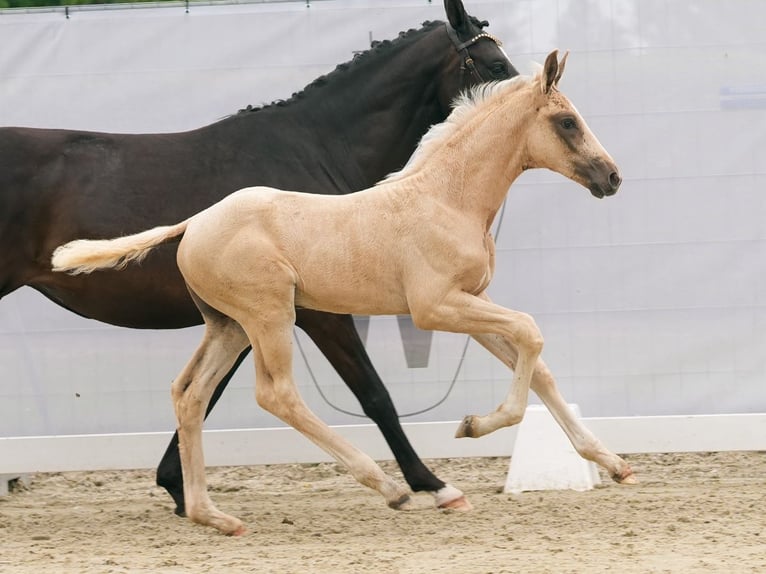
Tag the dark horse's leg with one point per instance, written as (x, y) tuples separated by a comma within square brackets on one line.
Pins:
[(337, 338)]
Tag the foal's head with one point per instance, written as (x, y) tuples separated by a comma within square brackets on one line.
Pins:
[(560, 139)]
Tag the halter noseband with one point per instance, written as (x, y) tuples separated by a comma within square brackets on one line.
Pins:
[(467, 62)]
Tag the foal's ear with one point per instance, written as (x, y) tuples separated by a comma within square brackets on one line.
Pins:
[(562, 63), (551, 72), (455, 13)]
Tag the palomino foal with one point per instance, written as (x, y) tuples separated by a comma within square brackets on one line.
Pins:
[(418, 243)]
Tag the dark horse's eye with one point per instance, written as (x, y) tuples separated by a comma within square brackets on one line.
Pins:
[(568, 123), (498, 71)]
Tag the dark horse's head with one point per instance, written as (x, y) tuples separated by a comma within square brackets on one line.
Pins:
[(481, 57)]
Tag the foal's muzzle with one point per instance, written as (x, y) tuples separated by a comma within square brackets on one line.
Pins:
[(611, 186), (603, 177)]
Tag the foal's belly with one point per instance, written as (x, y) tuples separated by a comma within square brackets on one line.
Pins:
[(346, 296)]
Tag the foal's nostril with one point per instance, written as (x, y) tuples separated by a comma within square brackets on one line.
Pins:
[(615, 180)]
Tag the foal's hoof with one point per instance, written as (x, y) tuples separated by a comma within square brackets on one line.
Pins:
[(223, 523), (404, 502), (235, 528), (467, 428), (625, 477)]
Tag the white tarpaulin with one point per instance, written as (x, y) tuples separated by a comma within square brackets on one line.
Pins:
[(651, 302)]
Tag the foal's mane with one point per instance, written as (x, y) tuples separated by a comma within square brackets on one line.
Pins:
[(467, 105)]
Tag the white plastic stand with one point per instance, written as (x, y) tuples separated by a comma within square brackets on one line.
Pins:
[(544, 459)]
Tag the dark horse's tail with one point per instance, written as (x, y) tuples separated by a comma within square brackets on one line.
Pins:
[(87, 255)]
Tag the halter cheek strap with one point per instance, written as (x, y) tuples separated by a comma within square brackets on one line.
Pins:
[(467, 62)]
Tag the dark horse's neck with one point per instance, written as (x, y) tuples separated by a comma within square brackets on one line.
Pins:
[(367, 115)]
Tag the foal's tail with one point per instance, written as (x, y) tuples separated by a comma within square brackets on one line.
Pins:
[(87, 255)]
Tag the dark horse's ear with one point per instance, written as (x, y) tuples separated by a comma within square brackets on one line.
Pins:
[(550, 72), (456, 13)]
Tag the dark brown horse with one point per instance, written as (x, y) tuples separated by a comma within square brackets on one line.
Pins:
[(342, 133)]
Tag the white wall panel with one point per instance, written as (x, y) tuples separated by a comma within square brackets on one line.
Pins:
[(652, 302)]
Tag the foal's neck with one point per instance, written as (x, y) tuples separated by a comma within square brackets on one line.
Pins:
[(484, 156)]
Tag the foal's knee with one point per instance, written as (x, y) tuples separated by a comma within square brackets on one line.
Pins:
[(527, 334)]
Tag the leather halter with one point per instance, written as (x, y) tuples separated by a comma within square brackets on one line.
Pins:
[(467, 62)]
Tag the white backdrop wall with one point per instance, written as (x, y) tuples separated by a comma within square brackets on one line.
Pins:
[(651, 302)]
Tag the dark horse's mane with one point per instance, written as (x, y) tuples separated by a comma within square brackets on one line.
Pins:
[(375, 49)]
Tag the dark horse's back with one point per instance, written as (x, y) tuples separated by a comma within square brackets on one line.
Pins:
[(342, 133), (59, 185)]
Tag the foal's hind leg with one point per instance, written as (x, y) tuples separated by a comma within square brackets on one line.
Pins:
[(544, 385), (169, 475), (222, 343), (271, 337)]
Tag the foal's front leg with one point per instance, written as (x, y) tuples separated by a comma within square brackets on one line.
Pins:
[(544, 385), (465, 313)]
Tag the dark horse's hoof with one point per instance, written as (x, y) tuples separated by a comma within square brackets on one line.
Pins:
[(177, 494)]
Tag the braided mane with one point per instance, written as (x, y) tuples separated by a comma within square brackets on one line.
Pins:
[(376, 50)]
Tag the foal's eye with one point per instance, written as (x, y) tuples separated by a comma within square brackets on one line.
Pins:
[(568, 123)]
